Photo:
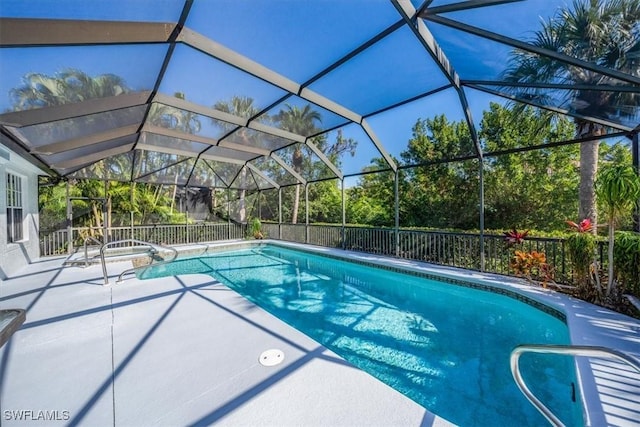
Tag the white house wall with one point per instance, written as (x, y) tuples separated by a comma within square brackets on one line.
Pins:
[(14, 256)]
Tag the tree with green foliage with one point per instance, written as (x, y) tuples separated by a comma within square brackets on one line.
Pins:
[(435, 187), (372, 200), (618, 188), (301, 121), (530, 189), (65, 87), (240, 106), (606, 33)]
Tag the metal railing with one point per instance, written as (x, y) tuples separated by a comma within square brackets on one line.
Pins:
[(570, 350), (54, 243), (57, 242), (438, 247), (86, 249), (132, 243)]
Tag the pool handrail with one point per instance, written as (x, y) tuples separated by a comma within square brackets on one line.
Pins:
[(152, 246), (86, 254), (142, 267), (571, 350)]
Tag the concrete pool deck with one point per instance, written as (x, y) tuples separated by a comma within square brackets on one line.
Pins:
[(172, 352), (184, 351)]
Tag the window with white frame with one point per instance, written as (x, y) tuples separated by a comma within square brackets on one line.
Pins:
[(14, 208)]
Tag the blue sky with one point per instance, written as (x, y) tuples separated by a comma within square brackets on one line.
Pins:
[(297, 42)]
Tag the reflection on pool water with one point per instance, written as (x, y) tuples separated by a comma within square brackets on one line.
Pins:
[(445, 346)]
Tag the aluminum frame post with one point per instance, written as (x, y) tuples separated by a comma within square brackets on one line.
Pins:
[(186, 213), (131, 184), (396, 192), (344, 216), (280, 213), (306, 208), (69, 221), (105, 213), (229, 213), (481, 209), (635, 159)]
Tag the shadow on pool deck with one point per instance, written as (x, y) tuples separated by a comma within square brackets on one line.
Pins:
[(172, 351)]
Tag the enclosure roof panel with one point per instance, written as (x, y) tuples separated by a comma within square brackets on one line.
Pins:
[(262, 94)]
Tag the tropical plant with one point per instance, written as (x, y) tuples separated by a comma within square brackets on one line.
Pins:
[(618, 188), (606, 33), (583, 226), (626, 255), (532, 265), (255, 229), (174, 118), (581, 247), (514, 237), (301, 121), (240, 106), (65, 87)]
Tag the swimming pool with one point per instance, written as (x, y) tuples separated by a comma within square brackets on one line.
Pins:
[(445, 346)]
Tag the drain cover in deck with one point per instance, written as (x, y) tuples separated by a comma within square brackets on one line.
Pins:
[(271, 357)]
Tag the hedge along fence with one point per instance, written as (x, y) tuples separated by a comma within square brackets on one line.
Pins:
[(626, 261)]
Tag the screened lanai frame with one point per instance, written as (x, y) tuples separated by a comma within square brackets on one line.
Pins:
[(166, 39)]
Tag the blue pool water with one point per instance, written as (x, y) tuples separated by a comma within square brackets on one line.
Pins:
[(445, 346)]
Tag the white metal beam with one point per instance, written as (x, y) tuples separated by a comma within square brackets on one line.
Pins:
[(262, 175), (182, 104), (96, 138), (371, 134), (324, 159), (69, 111), (208, 46), (60, 32), (245, 148), (288, 168), (92, 158), (159, 130)]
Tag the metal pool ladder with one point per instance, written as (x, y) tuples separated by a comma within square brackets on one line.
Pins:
[(152, 251), (571, 350)]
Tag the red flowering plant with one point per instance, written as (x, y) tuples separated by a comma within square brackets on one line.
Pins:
[(514, 237), (583, 226), (581, 247), (533, 266)]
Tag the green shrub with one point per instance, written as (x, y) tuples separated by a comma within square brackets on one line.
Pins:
[(581, 248), (626, 260), (255, 229)]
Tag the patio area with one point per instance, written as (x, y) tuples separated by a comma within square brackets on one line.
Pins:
[(184, 351), (172, 351)]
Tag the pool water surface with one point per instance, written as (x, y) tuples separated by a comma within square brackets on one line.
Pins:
[(445, 346)]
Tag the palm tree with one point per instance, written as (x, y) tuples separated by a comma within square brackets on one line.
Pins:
[(618, 189), (606, 33), (66, 87), (301, 121), (240, 106), (174, 118)]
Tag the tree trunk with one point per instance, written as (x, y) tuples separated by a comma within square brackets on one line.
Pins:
[(242, 208), (588, 172), (296, 204), (611, 281), (97, 216)]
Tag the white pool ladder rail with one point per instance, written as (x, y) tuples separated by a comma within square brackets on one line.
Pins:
[(570, 350), (153, 249)]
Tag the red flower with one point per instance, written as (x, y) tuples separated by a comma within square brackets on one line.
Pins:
[(584, 227), (514, 236)]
